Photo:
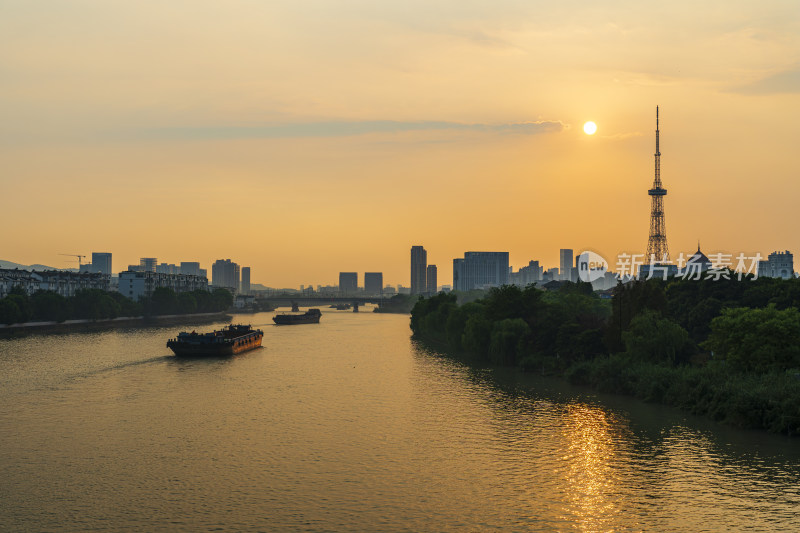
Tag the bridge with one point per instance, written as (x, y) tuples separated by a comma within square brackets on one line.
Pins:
[(321, 299)]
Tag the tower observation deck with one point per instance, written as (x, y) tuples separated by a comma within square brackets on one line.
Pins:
[(657, 248)]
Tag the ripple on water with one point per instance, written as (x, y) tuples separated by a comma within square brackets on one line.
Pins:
[(350, 426)]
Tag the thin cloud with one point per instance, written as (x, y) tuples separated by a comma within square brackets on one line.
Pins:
[(622, 136), (346, 129), (786, 82)]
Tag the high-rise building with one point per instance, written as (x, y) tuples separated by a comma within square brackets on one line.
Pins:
[(419, 265), (190, 268), (101, 262), (566, 264), (167, 268), (246, 280), (225, 274), (526, 275), (430, 275), (373, 282), (148, 264), (479, 270), (348, 282)]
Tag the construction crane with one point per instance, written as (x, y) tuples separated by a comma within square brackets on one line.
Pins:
[(80, 258)]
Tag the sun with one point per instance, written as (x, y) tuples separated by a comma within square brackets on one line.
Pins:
[(589, 128)]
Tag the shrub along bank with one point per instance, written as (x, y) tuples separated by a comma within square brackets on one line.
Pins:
[(726, 349)]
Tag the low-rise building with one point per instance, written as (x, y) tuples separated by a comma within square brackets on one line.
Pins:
[(777, 265), (59, 281), (244, 301), (135, 284)]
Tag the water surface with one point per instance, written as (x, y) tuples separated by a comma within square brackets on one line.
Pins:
[(350, 425)]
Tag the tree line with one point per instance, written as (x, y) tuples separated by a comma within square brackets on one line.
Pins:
[(95, 304), (727, 349)]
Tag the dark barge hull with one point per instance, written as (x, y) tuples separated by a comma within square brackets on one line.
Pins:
[(193, 345), (309, 317)]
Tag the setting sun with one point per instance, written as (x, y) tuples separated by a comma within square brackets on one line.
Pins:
[(589, 128)]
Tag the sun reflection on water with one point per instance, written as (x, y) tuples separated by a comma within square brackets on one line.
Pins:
[(590, 482)]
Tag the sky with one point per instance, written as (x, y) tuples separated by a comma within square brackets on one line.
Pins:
[(306, 138)]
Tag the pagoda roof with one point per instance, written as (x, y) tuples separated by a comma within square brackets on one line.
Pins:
[(699, 258)]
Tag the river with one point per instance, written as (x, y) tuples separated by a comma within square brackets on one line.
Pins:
[(350, 425)]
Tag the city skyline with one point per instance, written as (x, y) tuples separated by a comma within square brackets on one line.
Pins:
[(565, 264), (313, 132)]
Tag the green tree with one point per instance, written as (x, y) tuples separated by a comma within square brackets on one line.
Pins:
[(94, 304), (205, 303), (629, 301), (163, 301), (222, 299), (655, 339), (9, 312), (429, 315), (187, 303), (457, 323), (127, 307), (757, 340), (23, 303), (477, 335), (49, 305), (507, 343)]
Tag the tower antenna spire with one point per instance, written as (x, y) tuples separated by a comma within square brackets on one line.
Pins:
[(658, 152), (657, 243)]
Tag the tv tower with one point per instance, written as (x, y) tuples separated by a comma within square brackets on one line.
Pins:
[(657, 243)]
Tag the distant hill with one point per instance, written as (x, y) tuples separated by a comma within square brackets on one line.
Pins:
[(12, 265)]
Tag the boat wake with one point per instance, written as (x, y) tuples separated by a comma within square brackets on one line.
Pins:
[(119, 366)]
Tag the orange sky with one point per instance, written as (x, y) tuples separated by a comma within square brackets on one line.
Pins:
[(304, 140)]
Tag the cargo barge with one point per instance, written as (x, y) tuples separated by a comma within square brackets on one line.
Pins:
[(309, 317), (230, 340)]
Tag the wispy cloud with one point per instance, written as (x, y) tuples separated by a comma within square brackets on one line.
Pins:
[(786, 82), (622, 136), (345, 129)]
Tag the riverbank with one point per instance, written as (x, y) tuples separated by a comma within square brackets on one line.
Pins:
[(768, 402), (70, 326), (739, 366)]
